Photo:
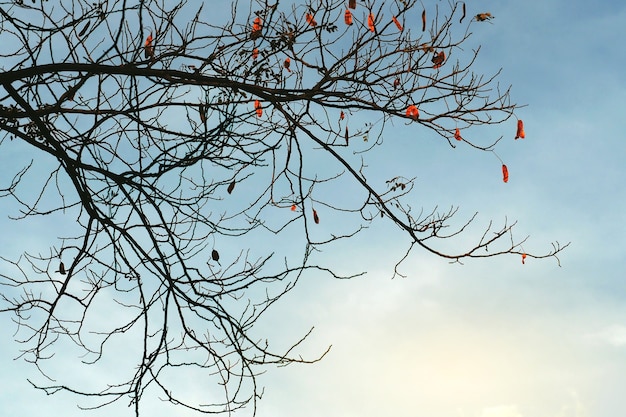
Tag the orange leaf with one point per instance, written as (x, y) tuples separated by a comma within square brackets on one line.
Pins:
[(316, 219), (505, 173), (398, 25), (523, 258), (352, 4), (438, 59), (293, 207), (412, 112), (258, 107), (520, 130), (255, 53), (457, 134), (481, 17), (423, 20), (231, 187), (256, 28), (370, 22), (347, 17), (342, 115), (310, 20), (287, 64)]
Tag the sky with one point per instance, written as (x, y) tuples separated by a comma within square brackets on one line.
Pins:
[(489, 338)]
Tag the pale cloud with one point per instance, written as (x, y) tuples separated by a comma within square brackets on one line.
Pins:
[(614, 335), (501, 411)]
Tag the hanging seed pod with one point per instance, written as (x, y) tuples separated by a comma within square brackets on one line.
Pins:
[(215, 255), (148, 47), (370, 22), (398, 24), (347, 136), (255, 53), (287, 64), (231, 187), (505, 173), (412, 112), (438, 59), (347, 17), (293, 207), (352, 4), (423, 20), (256, 28), (311, 20), (202, 111), (520, 130), (481, 17), (316, 218), (258, 108), (457, 134), (84, 29), (62, 269), (523, 258)]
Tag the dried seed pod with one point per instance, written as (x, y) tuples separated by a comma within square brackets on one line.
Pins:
[(231, 187), (258, 108), (523, 258), (257, 26), (347, 17), (398, 24), (215, 255), (84, 29), (438, 59), (370, 22), (311, 20), (287, 64), (412, 112), (505, 173), (520, 130), (62, 268), (352, 4), (457, 134), (316, 218), (423, 20), (148, 47)]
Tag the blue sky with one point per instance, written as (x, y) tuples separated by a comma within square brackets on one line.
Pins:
[(489, 338)]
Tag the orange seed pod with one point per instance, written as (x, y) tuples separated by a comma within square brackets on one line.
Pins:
[(347, 17), (370, 22), (398, 24), (520, 130), (412, 112)]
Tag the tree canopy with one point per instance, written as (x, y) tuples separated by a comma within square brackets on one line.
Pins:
[(173, 138)]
